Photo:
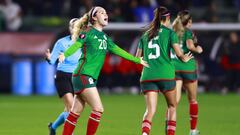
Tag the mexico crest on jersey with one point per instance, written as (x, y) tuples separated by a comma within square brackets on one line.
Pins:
[(82, 36)]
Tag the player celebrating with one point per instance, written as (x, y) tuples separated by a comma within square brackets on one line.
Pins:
[(63, 76), (155, 47), (186, 75), (95, 44)]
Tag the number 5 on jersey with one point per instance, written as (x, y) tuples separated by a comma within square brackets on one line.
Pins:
[(156, 48)]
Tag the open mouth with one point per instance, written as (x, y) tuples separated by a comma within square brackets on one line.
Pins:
[(106, 19)]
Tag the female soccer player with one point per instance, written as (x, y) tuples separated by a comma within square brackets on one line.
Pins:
[(155, 45), (63, 80), (186, 73), (95, 44)]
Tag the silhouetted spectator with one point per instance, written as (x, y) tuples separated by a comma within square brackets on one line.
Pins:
[(12, 14), (231, 64), (211, 14)]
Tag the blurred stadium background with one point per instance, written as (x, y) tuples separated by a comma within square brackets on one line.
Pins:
[(29, 27)]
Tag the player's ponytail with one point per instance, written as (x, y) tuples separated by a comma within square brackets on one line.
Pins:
[(185, 17), (79, 25), (178, 27), (160, 15), (180, 22)]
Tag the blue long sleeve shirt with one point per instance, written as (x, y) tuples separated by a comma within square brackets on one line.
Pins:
[(70, 63)]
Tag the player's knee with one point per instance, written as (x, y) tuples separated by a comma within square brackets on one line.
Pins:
[(68, 108), (68, 104), (172, 108), (75, 112), (98, 109), (178, 102), (192, 98), (172, 105), (193, 101), (150, 112)]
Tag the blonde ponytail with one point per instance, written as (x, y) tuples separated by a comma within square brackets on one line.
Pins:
[(79, 26), (178, 27)]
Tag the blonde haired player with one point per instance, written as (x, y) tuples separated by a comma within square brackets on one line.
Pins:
[(186, 73), (95, 44)]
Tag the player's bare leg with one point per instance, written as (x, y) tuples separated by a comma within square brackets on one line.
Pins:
[(179, 84), (67, 100), (151, 99), (77, 108), (91, 96), (170, 97), (191, 88)]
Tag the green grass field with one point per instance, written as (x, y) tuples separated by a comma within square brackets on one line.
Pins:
[(218, 115)]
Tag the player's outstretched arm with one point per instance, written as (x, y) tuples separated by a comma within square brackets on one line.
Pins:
[(71, 50), (139, 54), (122, 53), (143, 62)]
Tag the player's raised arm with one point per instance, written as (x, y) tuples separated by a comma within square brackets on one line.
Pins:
[(113, 48)]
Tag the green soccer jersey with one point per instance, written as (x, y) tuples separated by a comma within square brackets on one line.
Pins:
[(189, 66), (157, 53), (95, 45)]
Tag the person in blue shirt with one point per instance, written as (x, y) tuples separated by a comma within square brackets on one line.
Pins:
[(63, 78)]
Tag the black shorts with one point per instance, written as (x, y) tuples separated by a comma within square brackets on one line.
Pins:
[(63, 82)]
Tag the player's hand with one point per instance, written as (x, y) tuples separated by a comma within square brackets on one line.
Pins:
[(144, 63), (199, 49), (48, 54), (61, 57), (186, 57)]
